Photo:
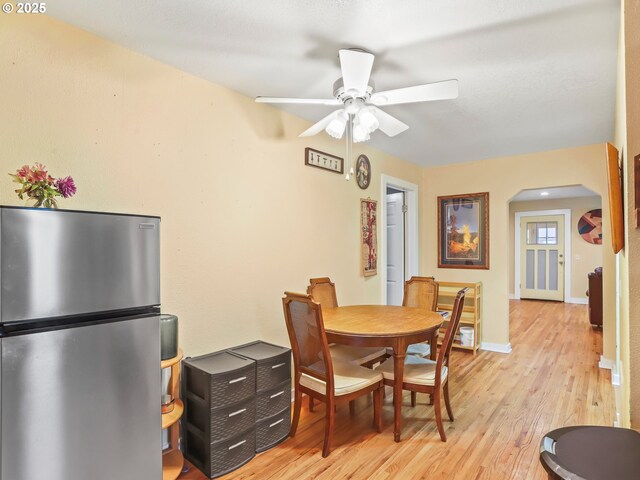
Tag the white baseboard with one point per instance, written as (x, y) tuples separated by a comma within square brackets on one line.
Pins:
[(578, 300), (496, 347), (606, 363), (615, 378), (610, 365)]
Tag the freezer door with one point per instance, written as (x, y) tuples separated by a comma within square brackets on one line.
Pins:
[(56, 263), (82, 403)]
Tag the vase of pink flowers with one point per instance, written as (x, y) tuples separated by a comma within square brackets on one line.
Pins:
[(37, 185)]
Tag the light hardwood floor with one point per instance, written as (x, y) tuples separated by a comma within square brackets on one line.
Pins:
[(503, 405)]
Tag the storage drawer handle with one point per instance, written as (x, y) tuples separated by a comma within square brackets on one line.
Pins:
[(276, 423), (279, 365), (276, 394), (233, 414), (236, 380), (237, 444)]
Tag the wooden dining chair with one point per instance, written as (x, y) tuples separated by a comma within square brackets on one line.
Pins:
[(323, 291), (421, 292), (426, 376), (316, 374)]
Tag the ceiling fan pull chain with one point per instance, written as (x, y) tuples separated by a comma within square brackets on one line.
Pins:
[(347, 159)]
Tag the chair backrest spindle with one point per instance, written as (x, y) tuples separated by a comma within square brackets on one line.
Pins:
[(454, 322)]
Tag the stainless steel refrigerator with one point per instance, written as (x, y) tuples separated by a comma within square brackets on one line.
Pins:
[(80, 347)]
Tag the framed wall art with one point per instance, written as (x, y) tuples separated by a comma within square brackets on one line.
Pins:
[(363, 172), (463, 231), (616, 207), (326, 161), (369, 236), (590, 226)]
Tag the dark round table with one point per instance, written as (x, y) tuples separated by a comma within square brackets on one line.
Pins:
[(591, 453)]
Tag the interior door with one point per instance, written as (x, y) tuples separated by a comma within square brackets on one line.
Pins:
[(542, 257), (395, 248)]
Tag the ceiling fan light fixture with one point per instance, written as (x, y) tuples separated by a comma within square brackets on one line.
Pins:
[(360, 133), (354, 92), (337, 125), (368, 120)]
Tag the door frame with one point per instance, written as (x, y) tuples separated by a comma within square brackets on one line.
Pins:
[(411, 198), (567, 248)]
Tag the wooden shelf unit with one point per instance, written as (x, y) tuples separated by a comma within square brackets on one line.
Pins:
[(172, 463), (174, 415), (172, 459), (471, 313)]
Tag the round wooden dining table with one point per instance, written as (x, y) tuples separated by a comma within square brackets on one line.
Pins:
[(384, 326)]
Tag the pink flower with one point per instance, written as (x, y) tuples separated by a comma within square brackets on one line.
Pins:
[(24, 171), (66, 186), (38, 174)]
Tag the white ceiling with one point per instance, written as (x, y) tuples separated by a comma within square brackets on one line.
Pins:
[(553, 193), (534, 75)]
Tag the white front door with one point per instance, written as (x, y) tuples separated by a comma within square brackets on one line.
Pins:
[(542, 257), (395, 248)]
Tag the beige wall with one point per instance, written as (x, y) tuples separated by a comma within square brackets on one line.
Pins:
[(627, 139), (503, 178), (584, 256), (243, 219), (620, 139)]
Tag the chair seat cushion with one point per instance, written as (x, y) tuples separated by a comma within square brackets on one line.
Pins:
[(355, 355), (419, 349), (417, 370), (347, 378)]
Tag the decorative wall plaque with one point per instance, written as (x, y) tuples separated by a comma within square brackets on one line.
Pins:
[(326, 161)]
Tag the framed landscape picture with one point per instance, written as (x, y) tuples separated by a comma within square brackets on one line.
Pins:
[(463, 231)]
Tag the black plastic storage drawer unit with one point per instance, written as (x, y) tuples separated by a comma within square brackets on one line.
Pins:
[(219, 392), (273, 384)]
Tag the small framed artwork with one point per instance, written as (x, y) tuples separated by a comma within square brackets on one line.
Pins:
[(363, 172), (369, 236), (326, 161), (463, 231)]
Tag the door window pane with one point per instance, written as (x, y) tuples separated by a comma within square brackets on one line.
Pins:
[(530, 271), (542, 269), (542, 233), (553, 269)]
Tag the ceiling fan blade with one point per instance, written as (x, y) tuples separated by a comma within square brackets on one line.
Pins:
[(420, 93), (356, 69), (388, 124), (306, 101), (318, 127)]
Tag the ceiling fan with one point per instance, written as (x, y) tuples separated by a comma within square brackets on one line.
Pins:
[(355, 93)]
